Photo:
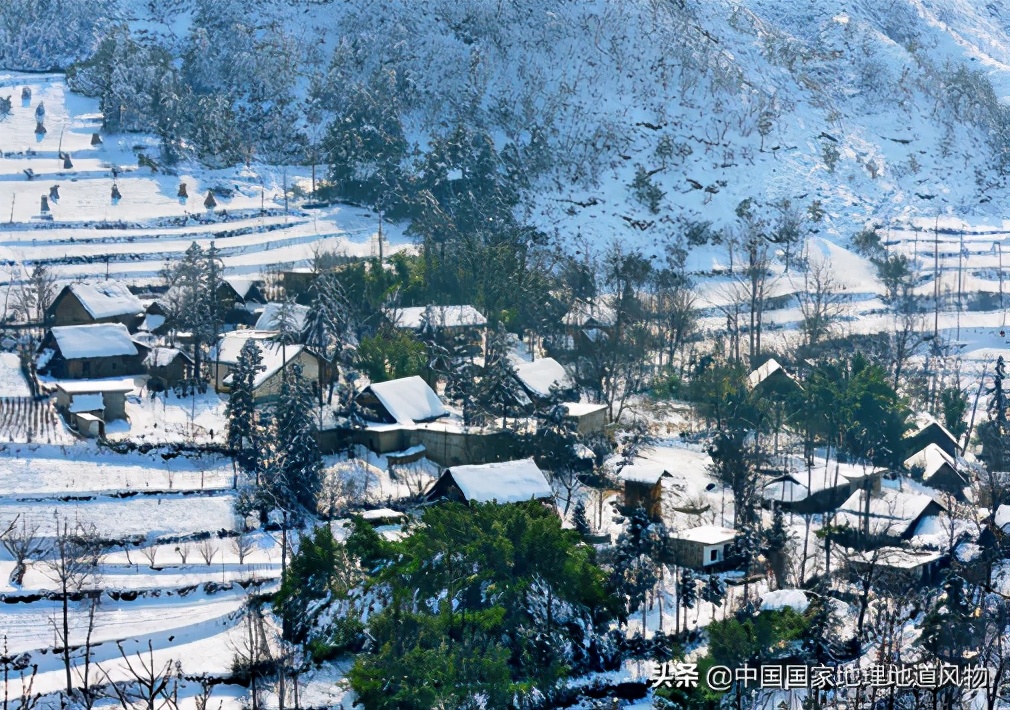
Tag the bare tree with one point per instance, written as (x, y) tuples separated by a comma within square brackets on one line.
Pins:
[(19, 663), (36, 294), (252, 657), (243, 545), (89, 690), (207, 550), (72, 563), (151, 686), (150, 553), (183, 551), (566, 483), (21, 542), (820, 303)]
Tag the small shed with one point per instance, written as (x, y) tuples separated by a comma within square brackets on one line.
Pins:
[(937, 469), (90, 352), (703, 546), (167, 367), (589, 418), (89, 425), (106, 400), (503, 482), (643, 487), (383, 516)]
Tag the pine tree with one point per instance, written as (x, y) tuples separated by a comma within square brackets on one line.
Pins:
[(776, 539), (687, 591), (327, 327), (188, 300), (635, 571), (213, 278), (296, 478), (241, 407), (714, 590), (499, 391)]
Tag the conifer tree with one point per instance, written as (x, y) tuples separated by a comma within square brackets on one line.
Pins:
[(714, 590), (635, 571), (687, 591), (327, 327), (499, 391), (297, 470), (241, 407), (579, 519)]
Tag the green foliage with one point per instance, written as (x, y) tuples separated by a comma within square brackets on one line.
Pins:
[(699, 233), (762, 638), (391, 354), (896, 273), (666, 385), (830, 156), (954, 405), (867, 243), (491, 600)]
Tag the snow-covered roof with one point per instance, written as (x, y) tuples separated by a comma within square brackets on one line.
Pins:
[(795, 599), (931, 459), (1002, 516), (892, 511), (151, 322), (706, 535), (382, 514), (792, 487), (162, 357), (229, 345), (896, 557), (240, 285), (504, 482), (78, 387), (441, 316), (763, 373), (269, 318), (579, 409), (86, 403), (96, 340), (538, 376), (925, 421), (408, 399), (647, 473), (107, 299), (598, 311)]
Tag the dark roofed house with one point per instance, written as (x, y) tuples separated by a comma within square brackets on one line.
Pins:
[(772, 379), (886, 517), (503, 482), (540, 376), (90, 352), (937, 469), (167, 367), (932, 433), (234, 290), (105, 302), (276, 359), (898, 566)]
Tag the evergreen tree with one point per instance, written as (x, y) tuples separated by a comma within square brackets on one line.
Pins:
[(191, 302), (635, 571), (328, 327), (714, 590), (297, 467), (580, 521), (687, 591), (776, 539), (499, 391), (241, 406)]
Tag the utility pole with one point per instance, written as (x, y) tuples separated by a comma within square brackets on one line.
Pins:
[(936, 277), (380, 236), (960, 281)]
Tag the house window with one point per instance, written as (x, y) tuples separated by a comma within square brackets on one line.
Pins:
[(713, 556)]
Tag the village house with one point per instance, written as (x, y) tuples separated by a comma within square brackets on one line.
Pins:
[(155, 319), (542, 378), (86, 304), (932, 432), (167, 367), (395, 405), (276, 359), (271, 314), (90, 352), (702, 547), (449, 325), (885, 518), (589, 418), (502, 482), (237, 291), (897, 567), (825, 486), (771, 379), (588, 322), (937, 469), (643, 487)]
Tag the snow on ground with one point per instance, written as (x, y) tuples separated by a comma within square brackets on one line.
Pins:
[(12, 381)]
